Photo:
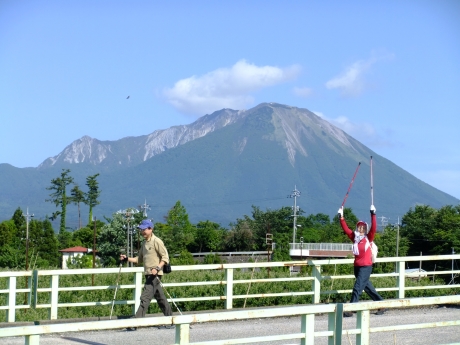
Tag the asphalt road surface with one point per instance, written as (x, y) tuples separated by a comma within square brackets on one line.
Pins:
[(273, 326)]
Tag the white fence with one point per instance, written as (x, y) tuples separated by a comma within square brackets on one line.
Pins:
[(228, 282), (306, 333)]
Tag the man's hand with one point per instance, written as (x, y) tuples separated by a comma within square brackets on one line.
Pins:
[(123, 258), (373, 209), (340, 212)]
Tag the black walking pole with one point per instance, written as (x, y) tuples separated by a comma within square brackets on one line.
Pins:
[(162, 286)]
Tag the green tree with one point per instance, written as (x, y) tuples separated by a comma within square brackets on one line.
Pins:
[(241, 237), (48, 246), (18, 218), (182, 230), (208, 236), (417, 226), (445, 235), (85, 236), (9, 244), (8, 233), (78, 196), (112, 240), (92, 195), (59, 198)]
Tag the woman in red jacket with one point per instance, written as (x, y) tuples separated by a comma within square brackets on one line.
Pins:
[(361, 239)]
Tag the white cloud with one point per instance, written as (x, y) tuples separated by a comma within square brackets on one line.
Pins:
[(352, 81), (225, 87), (302, 91)]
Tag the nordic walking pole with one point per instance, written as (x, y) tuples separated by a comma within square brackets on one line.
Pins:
[(351, 183), (372, 185), (162, 286), (116, 288)]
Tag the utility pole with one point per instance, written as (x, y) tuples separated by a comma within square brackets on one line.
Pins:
[(397, 239), (295, 194), (94, 250), (383, 221), (144, 208), (27, 216)]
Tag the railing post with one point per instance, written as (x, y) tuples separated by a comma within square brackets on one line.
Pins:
[(362, 323), (182, 334), (54, 297), (29, 293), (33, 339), (316, 273), (401, 283), (331, 326), (137, 291), (11, 313), (229, 288), (307, 327), (335, 323), (34, 291)]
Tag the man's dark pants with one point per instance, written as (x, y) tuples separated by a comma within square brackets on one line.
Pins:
[(152, 288)]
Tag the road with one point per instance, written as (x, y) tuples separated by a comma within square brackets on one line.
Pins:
[(272, 326)]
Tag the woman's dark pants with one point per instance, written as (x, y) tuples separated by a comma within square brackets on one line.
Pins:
[(362, 283)]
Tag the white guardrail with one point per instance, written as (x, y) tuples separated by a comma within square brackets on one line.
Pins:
[(306, 334), (229, 281)]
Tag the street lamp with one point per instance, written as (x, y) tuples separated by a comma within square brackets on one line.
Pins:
[(128, 215)]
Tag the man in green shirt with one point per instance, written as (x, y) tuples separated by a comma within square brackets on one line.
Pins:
[(154, 255)]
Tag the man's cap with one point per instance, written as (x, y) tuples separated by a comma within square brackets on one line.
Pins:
[(146, 223)]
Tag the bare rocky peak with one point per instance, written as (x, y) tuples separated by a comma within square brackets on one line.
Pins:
[(292, 125), (162, 140), (93, 151), (82, 150)]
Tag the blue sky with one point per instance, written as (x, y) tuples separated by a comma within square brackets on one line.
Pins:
[(386, 72)]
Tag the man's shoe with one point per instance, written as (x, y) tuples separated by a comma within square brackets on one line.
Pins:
[(347, 314), (166, 327), (131, 329), (381, 311)]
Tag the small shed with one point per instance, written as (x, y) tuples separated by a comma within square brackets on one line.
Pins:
[(73, 253)]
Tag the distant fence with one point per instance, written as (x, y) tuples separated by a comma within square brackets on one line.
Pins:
[(229, 281)]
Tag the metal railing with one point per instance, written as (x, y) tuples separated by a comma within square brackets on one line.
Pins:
[(306, 331), (322, 246), (229, 281)]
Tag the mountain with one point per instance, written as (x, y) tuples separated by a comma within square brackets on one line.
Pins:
[(222, 164), (131, 151)]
